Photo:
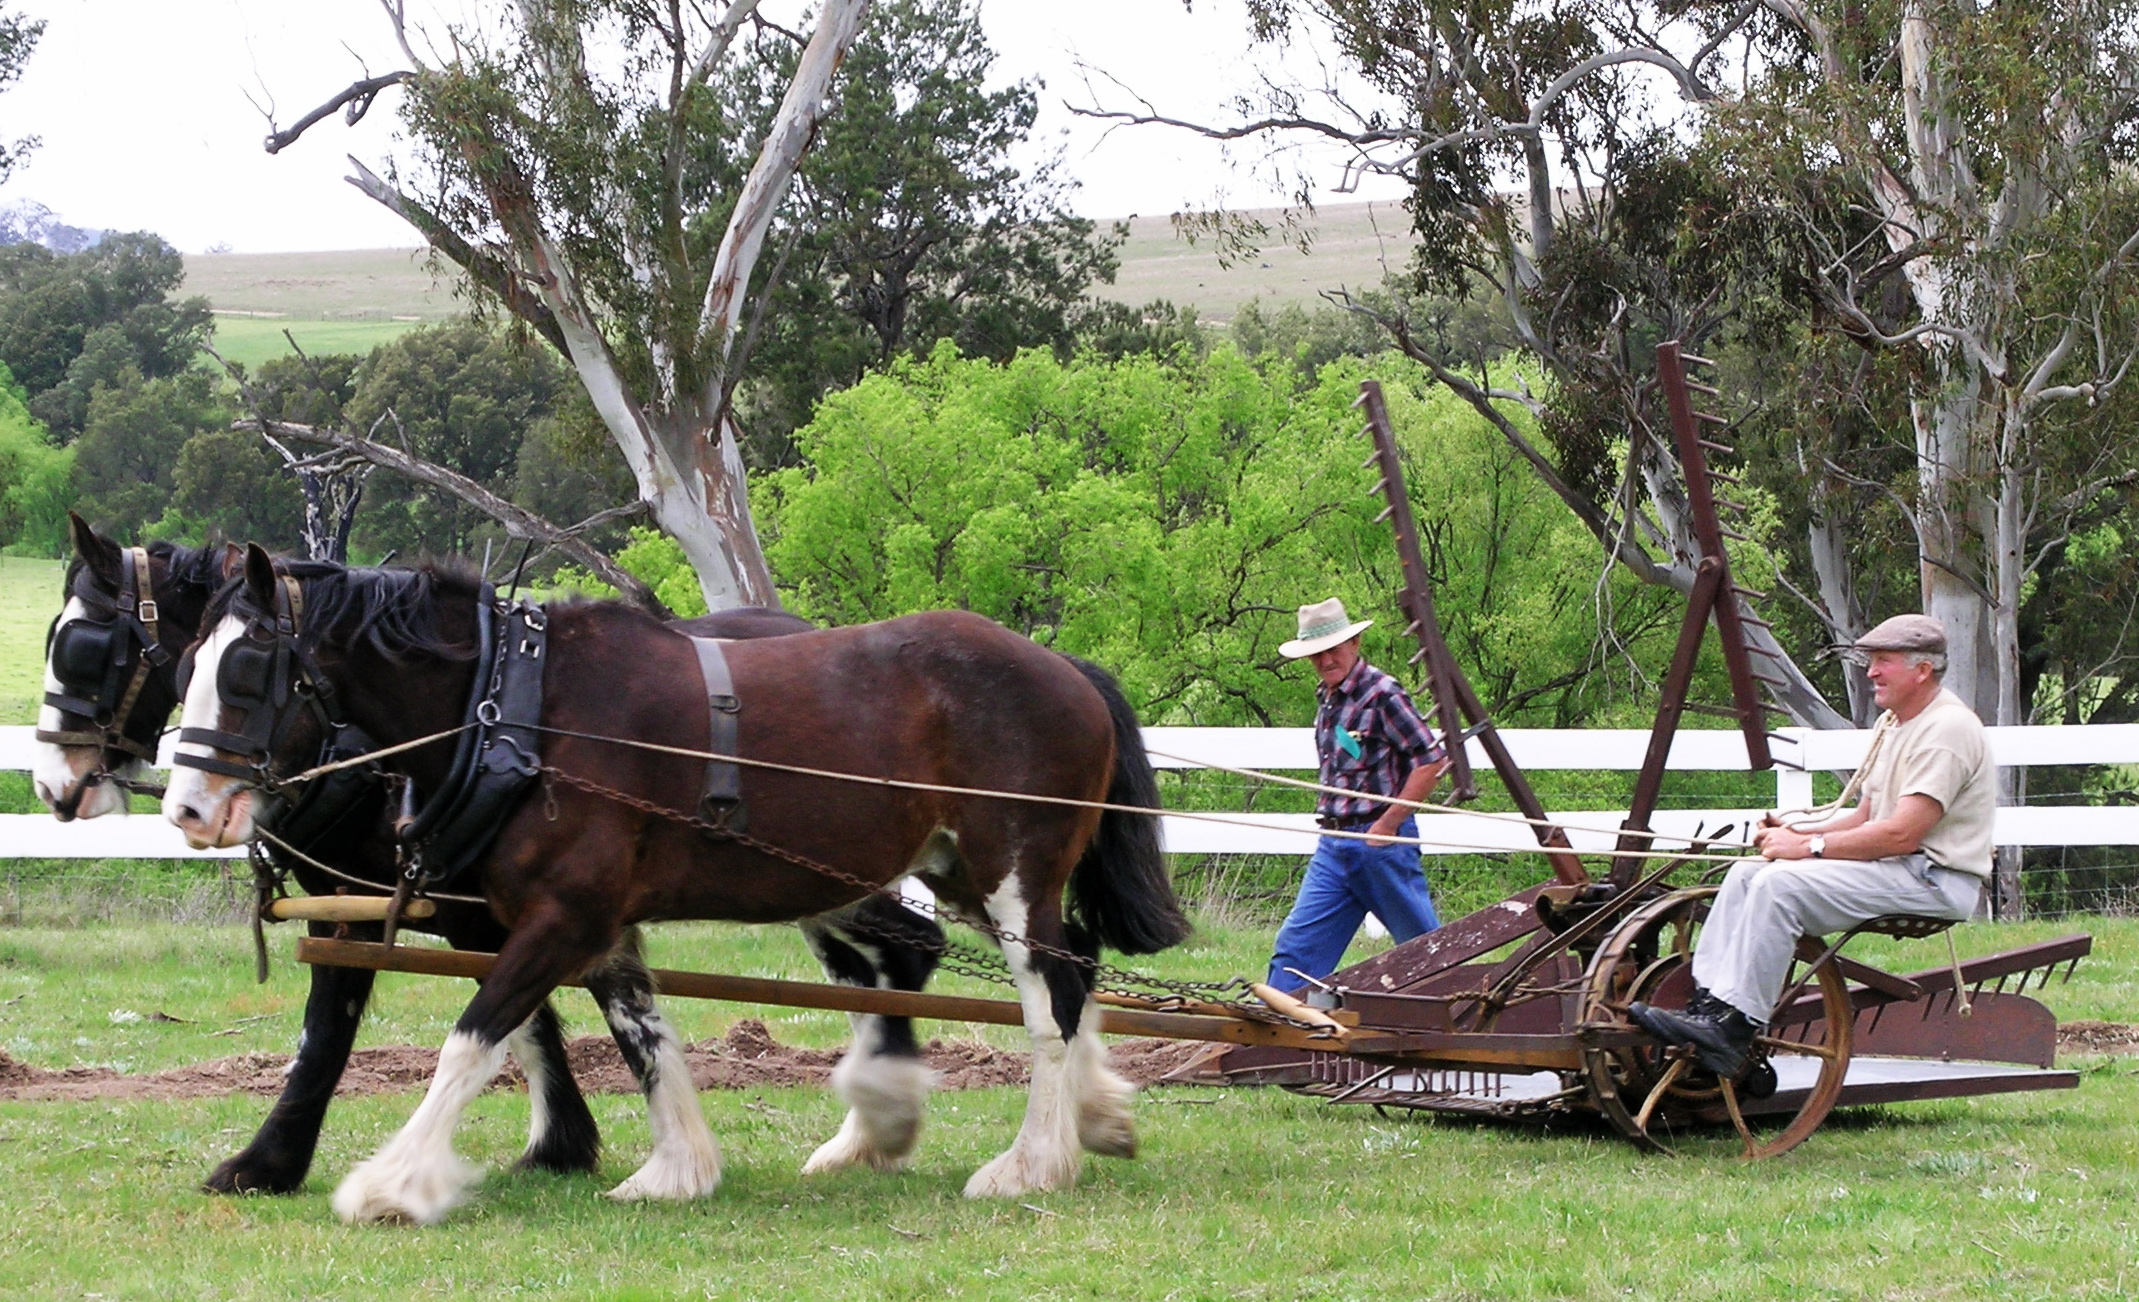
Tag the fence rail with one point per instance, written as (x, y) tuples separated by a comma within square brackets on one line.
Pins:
[(1799, 752)]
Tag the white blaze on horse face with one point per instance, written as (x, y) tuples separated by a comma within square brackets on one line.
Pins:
[(59, 767), (211, 809)]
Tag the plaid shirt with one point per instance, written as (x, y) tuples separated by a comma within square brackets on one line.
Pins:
[(1374, 712)]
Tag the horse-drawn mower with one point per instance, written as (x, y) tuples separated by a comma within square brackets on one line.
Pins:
[(1518, 1011)]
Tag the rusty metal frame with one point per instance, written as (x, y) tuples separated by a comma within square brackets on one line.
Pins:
[(1441, 1004)]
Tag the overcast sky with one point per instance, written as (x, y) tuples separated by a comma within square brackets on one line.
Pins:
[(143, 109)]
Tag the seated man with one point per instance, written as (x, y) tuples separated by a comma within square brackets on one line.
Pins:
[(1919, 843)]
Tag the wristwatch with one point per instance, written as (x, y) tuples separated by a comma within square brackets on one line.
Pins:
[(1817, 846)]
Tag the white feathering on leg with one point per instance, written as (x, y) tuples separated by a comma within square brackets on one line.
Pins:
[(686, 1159), (1046, 1154), (417, 1176), (886, 1097), (1104, 1125)]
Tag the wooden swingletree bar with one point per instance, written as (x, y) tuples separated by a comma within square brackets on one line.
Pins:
[(812, 994)]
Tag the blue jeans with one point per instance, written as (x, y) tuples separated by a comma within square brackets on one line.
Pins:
[(1345, 881)]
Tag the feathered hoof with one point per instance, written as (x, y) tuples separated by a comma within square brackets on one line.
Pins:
[(387, 1189), (1104, 1125), (1017, 1172), (676, 1173), (886, 1099)]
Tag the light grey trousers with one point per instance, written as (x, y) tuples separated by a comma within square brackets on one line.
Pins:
[(1745, 947)]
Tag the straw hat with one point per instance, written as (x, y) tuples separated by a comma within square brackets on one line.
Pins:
[(1322, 626)]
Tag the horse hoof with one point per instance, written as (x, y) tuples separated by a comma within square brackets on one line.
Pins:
[(851, 1147), (385, 1190), (886, 1099), (246, 1174), (1108, 1136), (671, 1175), (1014, 1174)]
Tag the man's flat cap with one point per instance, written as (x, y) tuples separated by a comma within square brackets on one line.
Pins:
[(1905, 633)]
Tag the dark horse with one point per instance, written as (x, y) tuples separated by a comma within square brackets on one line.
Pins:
[(81, 777), (947, 699)]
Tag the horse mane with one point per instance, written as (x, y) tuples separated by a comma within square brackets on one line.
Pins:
[(394, 611), (198, 567)]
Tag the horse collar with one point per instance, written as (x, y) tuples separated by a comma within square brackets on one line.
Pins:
[(499, 754)]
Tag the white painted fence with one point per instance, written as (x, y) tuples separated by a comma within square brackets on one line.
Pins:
[(1291, 750)]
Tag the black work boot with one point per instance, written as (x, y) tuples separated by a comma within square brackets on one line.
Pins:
[(1721, 1036)]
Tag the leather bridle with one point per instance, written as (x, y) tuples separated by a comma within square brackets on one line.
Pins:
[(102, 665), (261, 675)]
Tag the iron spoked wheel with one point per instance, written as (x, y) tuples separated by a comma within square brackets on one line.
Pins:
[(1647, 1091)]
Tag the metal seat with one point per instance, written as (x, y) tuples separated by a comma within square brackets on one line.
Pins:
[(1904, 926)]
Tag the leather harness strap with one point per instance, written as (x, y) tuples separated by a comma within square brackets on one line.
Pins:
[(500, 756), (722, 799)]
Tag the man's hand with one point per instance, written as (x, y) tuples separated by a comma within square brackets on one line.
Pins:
[(1384, 829), (1779, 842)]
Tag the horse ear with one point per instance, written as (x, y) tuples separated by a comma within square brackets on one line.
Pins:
[(233, 562), (260, 575), (101, 554)]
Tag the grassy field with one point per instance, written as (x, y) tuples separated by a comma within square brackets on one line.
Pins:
[(29, 598), (351, 300), (1238, 1194), (1355, 246)]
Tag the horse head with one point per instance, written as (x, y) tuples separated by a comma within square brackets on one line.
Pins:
[(109, 666), (290, 657)]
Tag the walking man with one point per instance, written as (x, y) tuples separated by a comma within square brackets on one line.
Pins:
[(1919, 843), (1369, 738)]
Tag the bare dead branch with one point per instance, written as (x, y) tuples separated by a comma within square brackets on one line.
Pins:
[(519, 522), (358, 99)]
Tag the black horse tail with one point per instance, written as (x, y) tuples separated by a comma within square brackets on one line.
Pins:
[(1120, 893)]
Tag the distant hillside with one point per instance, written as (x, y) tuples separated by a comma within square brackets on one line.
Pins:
[(1355, 246), (352, 299)]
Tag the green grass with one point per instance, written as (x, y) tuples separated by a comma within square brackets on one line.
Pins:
[(1237, 1194), (29, 598), (253, 340)]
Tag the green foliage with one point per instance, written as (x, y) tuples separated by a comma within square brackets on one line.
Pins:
[(1111, 330), (458, 394), (654, 558), (127, 458), (908, 224), (36, 479), (19, 34), (1310, 340), (567, 470), (1165, 518), (70, 324)]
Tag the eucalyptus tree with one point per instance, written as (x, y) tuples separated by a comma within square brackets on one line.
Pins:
[(1948, 186), (1534, 138), (19, 34), (575, 160)]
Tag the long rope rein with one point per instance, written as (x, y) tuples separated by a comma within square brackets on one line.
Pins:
[(1430, 807), (906, 784)]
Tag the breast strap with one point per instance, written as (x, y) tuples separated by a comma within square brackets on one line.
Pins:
[(722, 799)]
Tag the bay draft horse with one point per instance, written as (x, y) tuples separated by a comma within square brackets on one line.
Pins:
[(946, 698), (89, 640)]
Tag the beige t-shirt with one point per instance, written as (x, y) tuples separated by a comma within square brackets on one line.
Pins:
[(1942, 753)]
